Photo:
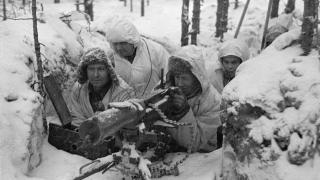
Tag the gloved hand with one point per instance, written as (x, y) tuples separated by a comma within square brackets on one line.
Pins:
[(180, 104), (179, 100)]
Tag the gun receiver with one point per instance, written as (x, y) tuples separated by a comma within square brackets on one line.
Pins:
[(123, 114)]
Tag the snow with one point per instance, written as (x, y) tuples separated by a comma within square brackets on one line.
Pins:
[(266, 81), (286, 86)]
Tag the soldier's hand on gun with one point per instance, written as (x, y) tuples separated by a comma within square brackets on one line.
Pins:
[(179, 101)]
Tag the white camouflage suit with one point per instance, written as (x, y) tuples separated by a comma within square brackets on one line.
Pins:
[(145, 71)]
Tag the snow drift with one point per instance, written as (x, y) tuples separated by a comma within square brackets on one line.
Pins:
[(274, 111)]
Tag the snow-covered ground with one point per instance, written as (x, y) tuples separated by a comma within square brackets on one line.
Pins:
[(20, 120)]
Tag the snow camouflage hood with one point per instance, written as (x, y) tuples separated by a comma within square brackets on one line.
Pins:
[(193, 57), (96, 55), (122, 30), (235, 47)]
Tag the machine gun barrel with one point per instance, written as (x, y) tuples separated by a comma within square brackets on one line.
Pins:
[(110, 121)]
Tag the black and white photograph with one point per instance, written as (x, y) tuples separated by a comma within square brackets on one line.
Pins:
[(159, 89)]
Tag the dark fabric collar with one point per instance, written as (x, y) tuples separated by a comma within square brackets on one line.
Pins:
[(131, 58), (102, 92), (226, 79)]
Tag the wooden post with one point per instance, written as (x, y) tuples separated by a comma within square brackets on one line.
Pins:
[(39, 71), (195, 21), (263, 43), (142, 7), (55, 95), (275, 8), (185, 23), (308, 25), (241, 19), (4, 10), (131, 6)]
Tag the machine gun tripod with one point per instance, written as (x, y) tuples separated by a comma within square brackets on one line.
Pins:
[(128, 160)]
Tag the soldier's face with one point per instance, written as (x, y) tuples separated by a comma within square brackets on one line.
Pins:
[(186, 82), (123, 49), (230, 64), (98, 75)]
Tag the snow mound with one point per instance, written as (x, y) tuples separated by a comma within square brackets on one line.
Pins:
[(21, 125), (276, 96)]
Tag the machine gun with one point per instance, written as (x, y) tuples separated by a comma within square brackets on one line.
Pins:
[(119, 116), (129, 113)]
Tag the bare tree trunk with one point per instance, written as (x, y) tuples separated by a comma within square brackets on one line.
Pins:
[(38, 57), (275, 9), (88, 8), (4, 10), (148, 2), (290, 6), (185, 23), (56, 1), (236, 4), (142, 7), (125, 3), (195, 21), (131, 6), (308, 25), (222, 18), (23, 3)]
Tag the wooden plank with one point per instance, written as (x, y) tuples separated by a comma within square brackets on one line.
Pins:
[(57, 100)]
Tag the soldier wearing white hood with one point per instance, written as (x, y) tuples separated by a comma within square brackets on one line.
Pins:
[(137, 60), (231, 54), (197, 103)]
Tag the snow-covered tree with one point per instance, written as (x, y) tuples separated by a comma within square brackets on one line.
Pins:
[(290, 6), (4, 9), (236, 4), (88, 8), (142, 7), (275, 8), (308, 25), (185, 23), (222, 18), (195, 21)]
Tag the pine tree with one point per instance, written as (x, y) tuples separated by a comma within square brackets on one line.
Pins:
[(88, 8), (185, 23), (222, 18), (274, 8), (142, 7), (4, 10), (195, 21), (308, 25), (236, 4), (290, 6)]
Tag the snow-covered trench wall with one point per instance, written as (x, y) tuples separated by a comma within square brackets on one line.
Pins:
[(21, 124), (273, 119)]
